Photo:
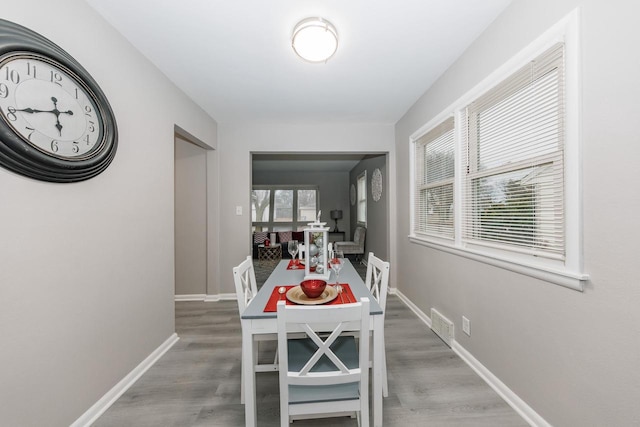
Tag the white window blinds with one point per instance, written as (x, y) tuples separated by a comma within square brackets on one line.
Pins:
[(514, 185), (434, 175)]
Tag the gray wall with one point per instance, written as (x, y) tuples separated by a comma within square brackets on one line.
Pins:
[(86, 276), (572, 356), (97, 298), (377, 238), (333, 188), (238, 140)]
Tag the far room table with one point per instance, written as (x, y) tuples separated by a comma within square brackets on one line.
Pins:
[(272, 253), (256, 321)]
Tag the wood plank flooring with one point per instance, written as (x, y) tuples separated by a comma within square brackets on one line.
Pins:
[(197, 382)]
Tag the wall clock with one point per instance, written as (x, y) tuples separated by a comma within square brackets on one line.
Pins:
[(376, 185), (55, 122)]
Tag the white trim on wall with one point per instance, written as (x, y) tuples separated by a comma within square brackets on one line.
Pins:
[(206, 297), (508, 395), (221, 297), (512, 399), (98, 408), (190, 297)]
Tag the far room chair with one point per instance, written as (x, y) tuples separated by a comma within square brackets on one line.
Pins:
[(244, 277), (355, 247), (377, 280), (323, 376)]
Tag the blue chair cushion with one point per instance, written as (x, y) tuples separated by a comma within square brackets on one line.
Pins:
[(301, 350)]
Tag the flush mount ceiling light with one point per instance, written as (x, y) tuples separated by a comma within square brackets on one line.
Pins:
[(315, 39)]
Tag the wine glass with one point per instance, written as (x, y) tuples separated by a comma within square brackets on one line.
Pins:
[(336, 263), (292, 247)]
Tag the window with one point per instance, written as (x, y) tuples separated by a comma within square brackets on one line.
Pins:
[(272, 207), (514, 184), (496, 177), (260, 205), (283, 206), (434, 174), (362, 199), (307, 210)]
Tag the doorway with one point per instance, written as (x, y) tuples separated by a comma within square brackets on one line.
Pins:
[(333, 174), (190, 220)]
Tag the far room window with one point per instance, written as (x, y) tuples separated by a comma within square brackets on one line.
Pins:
[(283, 208), (362, 198), (307, 205)]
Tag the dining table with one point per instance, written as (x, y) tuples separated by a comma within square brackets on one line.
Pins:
[(258, 318)]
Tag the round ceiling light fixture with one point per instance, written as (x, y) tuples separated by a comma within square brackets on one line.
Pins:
[(315, 40)]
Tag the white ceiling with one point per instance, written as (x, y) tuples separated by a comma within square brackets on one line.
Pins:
[(234, 57)]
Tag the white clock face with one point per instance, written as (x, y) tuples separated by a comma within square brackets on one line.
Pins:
[(48, 106)]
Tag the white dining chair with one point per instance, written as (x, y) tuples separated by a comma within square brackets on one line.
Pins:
[(323, 376), (244, 277), (377, 280), (301, 250)]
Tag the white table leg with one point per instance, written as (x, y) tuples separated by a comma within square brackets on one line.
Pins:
[(378, 349), (249, 376)]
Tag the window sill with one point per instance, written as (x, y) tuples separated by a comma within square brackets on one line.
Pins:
[(564, 278)]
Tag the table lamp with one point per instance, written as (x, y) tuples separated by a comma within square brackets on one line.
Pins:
[(336, 215)]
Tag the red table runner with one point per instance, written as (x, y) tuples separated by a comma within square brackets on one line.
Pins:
[(291, 264), (300, 266), (272, 304)]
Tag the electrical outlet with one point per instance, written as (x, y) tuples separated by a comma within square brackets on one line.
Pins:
[(466, 327), (238, 210)]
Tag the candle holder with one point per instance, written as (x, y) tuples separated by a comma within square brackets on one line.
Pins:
[(316, 239)]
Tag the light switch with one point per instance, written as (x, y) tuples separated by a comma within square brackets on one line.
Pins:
[(238, 210), (466, 326)]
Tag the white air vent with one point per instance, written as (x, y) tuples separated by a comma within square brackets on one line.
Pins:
[(442, 326)]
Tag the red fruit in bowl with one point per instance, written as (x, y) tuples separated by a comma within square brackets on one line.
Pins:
[(313, 288)]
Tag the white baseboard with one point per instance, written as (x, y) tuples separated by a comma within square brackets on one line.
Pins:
[(519, 405), (205, 297), (421, 314), (190, 297), (512, 399), (92, 414), (221, 297)]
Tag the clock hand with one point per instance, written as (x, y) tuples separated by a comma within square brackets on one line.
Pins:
[(57, 113), (54, 111), (32, 110)]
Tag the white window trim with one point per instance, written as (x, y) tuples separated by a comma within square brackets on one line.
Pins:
[(440, 183), (363, 176), (569, 273)]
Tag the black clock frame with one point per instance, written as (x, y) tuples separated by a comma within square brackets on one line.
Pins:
[(18, 155)]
